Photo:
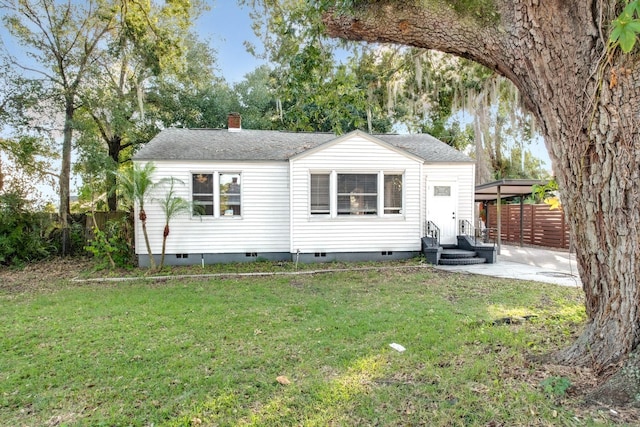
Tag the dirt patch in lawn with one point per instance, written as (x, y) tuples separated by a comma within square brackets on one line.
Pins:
[(42, 275)]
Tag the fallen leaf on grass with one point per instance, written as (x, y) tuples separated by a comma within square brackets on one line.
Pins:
[(283, 380)]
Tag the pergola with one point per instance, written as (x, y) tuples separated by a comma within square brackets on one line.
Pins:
[(506, 189)]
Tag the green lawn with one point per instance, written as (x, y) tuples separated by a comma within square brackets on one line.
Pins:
[(207, 351)]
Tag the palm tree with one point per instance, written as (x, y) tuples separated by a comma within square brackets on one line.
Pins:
[(135, 184), (171, 205)]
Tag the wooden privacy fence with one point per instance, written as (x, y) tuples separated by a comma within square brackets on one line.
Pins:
[(541, 226), (101, 220)]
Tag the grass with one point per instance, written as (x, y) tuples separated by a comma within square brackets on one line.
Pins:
[(242, 268), (208, 351)]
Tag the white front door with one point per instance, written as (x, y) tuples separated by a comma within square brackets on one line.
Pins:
[(442, 209)]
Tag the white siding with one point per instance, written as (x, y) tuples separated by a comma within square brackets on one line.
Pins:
[(263, 227), (464, 175), (275, 219), (355, 233)]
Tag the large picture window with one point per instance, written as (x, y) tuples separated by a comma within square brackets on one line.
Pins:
[(357, 194), (344, 194)]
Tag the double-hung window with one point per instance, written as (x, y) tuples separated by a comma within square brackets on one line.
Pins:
[(392, 194), (202, 190), (230, 194), (216, 194), (339, 194), (320, 194)]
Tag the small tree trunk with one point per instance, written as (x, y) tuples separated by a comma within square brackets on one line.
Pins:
[(112, 197), (114, 155), (143, 220), (165, 234), (65, 177), (1, 176)]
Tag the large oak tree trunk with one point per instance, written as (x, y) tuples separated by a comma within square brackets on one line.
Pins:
[(588, 104)]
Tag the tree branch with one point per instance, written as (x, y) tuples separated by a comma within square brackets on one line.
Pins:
[(104, 132), (428, 25), (52, 174)]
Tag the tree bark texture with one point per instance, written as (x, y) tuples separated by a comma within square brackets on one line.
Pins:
[(114, 145), (65, 177), (588, 104)]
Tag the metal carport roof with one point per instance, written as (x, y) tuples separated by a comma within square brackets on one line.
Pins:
[(506, 188)]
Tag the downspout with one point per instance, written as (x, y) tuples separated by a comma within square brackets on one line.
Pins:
[(423, 204), (291, 250)]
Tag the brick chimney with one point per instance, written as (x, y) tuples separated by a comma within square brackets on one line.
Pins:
[(234, 121)]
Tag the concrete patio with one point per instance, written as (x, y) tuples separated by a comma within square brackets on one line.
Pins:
[(526, 263)]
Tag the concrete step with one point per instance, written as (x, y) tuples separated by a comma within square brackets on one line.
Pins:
[(457, 254), (461, 261)]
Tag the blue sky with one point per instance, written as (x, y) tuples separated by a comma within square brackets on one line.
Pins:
[(227, 26)]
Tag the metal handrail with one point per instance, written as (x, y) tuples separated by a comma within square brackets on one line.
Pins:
[(485, 234), (433, 231), (465, 228)]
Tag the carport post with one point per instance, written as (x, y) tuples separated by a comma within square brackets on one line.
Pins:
[(499, 219), (521, 215)]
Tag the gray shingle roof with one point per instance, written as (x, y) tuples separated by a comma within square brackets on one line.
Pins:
[(220, 144)]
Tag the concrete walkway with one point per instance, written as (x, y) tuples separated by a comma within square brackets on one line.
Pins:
[(525, 263)]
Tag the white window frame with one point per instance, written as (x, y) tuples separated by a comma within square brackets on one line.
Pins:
[(212, 202), (357, 198), (333, 194), (400, 208), (217, 214), (318, 212), (220, 196)]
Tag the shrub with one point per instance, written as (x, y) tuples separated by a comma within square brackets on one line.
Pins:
[(23, 233), (110, 246), (77, 240)]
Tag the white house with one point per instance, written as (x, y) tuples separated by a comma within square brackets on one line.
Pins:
[(304, 196)]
